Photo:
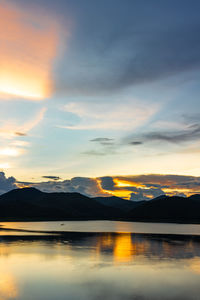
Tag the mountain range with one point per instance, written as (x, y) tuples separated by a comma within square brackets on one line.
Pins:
[(32, 204)]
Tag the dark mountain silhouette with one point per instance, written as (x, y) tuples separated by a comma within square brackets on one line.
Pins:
[(168, 209), (30, 203), (124, 205)]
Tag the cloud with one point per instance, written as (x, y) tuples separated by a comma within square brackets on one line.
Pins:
[(107, 183), (105, 146), (145, 187), (28, 49), (20, 133), (10, 129), (189, 134), (86, 186), (99, 152), (146, 194), (103, 141), (120, 185), (134, 44), (136, 143), (6, 183), (118, 115), (52, 177), (133, 187), (185, 131), (28, 126)]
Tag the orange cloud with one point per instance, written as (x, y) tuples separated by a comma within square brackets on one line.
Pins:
[(29, 43)]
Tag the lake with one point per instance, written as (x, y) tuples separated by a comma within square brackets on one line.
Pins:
[(94, 260)]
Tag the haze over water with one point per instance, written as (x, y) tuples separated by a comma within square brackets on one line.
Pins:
[(88, 266)]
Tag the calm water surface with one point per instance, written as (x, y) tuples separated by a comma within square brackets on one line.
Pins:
[(96, 265), (106, 226)]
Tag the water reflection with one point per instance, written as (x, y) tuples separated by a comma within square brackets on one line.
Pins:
[(8, 286), (93, 266), (122, 246)]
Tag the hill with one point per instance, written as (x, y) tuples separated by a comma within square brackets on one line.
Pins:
[(30, 203), (168, 209), (124, 205)]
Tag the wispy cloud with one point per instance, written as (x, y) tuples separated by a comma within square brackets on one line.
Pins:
[(187, 134), (118, 115), (20, 143), (11, 130)]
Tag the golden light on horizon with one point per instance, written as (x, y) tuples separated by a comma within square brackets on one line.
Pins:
[(122, 183), (28, 48), (11, 151), (121, 194), (5, 165), (126, 183)]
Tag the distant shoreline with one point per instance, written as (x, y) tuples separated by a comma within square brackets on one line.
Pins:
[(74, 234)]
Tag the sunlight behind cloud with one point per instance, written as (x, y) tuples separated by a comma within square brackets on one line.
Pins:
[(28, 48)]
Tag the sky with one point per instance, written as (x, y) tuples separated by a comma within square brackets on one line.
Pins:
[(100, 97)]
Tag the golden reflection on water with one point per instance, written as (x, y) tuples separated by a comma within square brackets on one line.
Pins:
[(104, 258), (8, 287), (195, 265), (122, 246)]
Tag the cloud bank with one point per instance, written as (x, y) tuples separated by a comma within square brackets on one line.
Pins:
[(136, 187)]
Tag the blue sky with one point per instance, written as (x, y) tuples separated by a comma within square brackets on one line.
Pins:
[(99, 88)]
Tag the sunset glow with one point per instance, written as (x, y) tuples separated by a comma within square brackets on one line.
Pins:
[(108, 118), (28, 47)]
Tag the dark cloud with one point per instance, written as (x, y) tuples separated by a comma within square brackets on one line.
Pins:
[(101, 140), (132, 44), (145, 187), (136, 143), (20, 133), (104, 141), (86, 186), (136, 187), (190, 133), (146, 194), (107, 183), (52, 177), (6, 183), (173, 182)]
